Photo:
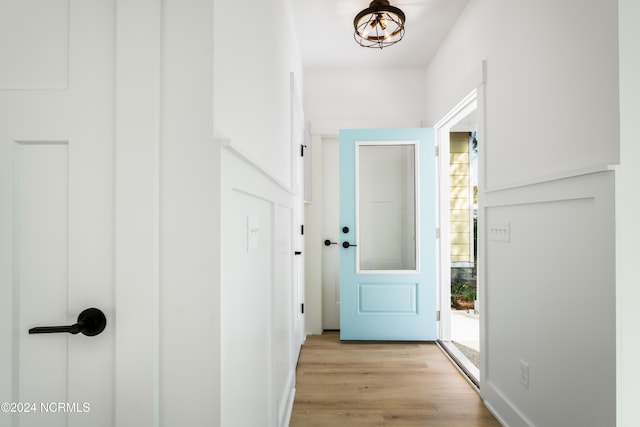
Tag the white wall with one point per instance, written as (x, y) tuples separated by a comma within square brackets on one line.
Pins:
[(218, 340), (552, 78), (551, 110), (251, 79), (627, 226), (258, 120), (351, 97)]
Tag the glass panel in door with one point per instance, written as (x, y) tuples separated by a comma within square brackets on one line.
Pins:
[(386, 193)]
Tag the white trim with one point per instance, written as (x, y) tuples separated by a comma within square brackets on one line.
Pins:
[(443, 127), (297, 188), (296, 135), (460, 111), (332, 127), (472, 255), (255, 163), (416, 178), (494, 413), (554, 177), (286, 408)]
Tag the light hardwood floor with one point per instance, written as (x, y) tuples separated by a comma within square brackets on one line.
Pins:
[(382, 384)]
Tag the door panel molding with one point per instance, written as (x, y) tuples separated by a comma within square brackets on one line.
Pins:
[(387, 298)]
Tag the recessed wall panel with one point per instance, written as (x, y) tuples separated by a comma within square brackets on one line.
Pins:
[(34, 44)]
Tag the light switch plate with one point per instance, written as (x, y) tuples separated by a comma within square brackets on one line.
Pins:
[(252, 232), (524, 373), (500, 232)]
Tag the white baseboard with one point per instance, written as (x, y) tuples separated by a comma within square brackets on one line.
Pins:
[(285, 420), (495, 414)]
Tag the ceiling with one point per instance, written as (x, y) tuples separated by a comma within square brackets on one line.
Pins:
[(325, 33)]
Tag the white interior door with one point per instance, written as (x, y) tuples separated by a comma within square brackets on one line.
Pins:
[(331, 232), (56, 211)]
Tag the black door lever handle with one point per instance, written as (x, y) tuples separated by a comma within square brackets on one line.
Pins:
[(347, 245), (329, 243), (91, 322)]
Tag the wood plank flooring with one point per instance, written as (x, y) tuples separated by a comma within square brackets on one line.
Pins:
[(382, 384)]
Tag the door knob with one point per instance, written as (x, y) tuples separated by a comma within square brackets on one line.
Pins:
[(347, 245), (329, 243), (91, 322)]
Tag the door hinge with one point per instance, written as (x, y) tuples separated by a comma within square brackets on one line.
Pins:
[(302, 147), (437, 233), (437, 150), (302, 308), (438, 315)]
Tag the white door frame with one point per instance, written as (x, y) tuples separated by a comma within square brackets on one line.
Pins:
[(443, 129), (474, 100), (297, 188)]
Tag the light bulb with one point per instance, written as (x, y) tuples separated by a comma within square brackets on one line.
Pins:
[(382, 22), (367, 29)]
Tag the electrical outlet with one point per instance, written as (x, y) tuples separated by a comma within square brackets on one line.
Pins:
[(500, 232), (524, 373)]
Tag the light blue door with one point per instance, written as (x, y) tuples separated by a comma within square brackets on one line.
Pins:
[(387, 215)]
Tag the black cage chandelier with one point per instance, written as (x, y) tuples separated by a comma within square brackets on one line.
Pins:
[(379, 25)]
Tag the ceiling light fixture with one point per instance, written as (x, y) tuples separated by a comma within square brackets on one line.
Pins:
[(379, 25)]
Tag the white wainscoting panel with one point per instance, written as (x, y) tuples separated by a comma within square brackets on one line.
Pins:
[(258, 341), (550, 303)]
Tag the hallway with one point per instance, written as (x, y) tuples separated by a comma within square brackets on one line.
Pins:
[(382, 384)]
